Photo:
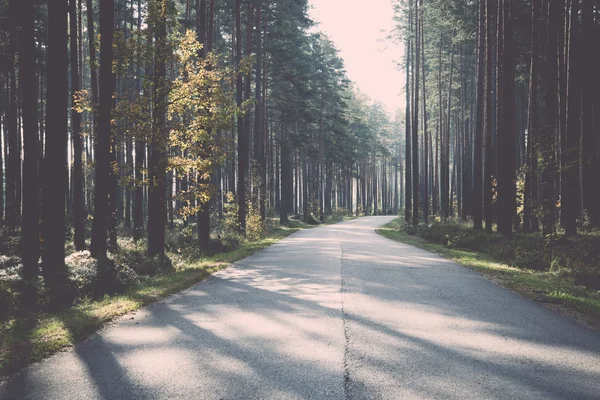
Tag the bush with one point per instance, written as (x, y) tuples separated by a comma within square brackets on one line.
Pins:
[(577, 258), (7, 300), (134, 260), (410, 230), (126, 276), (96, 277), (8, 262), (83, 272), (586, 274), (311, 220), (339, 214), (531, 258)]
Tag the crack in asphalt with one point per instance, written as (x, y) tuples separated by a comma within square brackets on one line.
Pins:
[(347, 378)]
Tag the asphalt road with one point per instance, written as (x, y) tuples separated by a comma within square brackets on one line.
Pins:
[(335, 312)]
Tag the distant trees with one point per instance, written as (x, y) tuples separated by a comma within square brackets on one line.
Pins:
[(515, 115)]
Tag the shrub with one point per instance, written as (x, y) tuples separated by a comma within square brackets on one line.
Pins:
[(126, 276), (96, 277), (83, 272), (586, 274), (255, 226), (311, 220), (531, 258), (7, 300), (339, 214), (410, 230), (8, 262)]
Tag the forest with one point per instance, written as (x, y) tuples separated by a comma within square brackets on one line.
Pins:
[(132, 130), (135, 132), (147, 145), (501, 141)]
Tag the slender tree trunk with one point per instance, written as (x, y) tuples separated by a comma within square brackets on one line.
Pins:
[(571, 202), (506, 125), (408, 144), (589, 121), (140, 147), (530, 210), (158, 157), (30, 238), (259, 152), (78, 200), (489, 121), (204, 211), (13, 159), (415, 121), (243, 151), (93, 66), (478, 151), (103, 134), (546, 153), (447, 198), (425, 134)]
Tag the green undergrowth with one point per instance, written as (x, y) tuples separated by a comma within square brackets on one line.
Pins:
[(544, 280), (26, 338)]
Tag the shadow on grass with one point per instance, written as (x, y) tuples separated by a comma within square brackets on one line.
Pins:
[(30, 338)]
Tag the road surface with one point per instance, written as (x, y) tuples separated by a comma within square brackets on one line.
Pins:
[(335, 312)]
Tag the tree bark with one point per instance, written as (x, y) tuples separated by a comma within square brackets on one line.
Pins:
[(30, 238), (158, 159), (55, 164)]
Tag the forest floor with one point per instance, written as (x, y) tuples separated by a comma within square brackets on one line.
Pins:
[(553, 289), (29, 338)]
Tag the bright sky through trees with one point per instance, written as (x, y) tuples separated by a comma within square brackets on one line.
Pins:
[(360, 33)]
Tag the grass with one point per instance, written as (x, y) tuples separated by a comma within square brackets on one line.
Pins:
[(30, 338), (556, 290)]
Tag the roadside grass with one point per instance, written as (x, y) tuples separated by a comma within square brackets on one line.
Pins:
[(556, 290), (29, 338)]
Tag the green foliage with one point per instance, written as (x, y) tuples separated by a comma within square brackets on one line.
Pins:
[(83, 272), (255, 226), (32, 337), (578, 258), (557, 286)]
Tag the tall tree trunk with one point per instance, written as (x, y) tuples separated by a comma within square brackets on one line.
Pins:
[(55, 164), (93, 67), (571, 202), (242, 144), (157, 201), (259, 152), (447, 197), (415, 121), (78, 201), (140, 145), (478, 150), (530, 209), (589, 121), (489, 120), (103, 135), (506, 136), (13, 158), (407, 144), (546, 153), (204, 211), (30, 238), (425, 134)]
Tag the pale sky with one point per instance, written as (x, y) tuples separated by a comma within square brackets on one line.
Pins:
[(359, 28)]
